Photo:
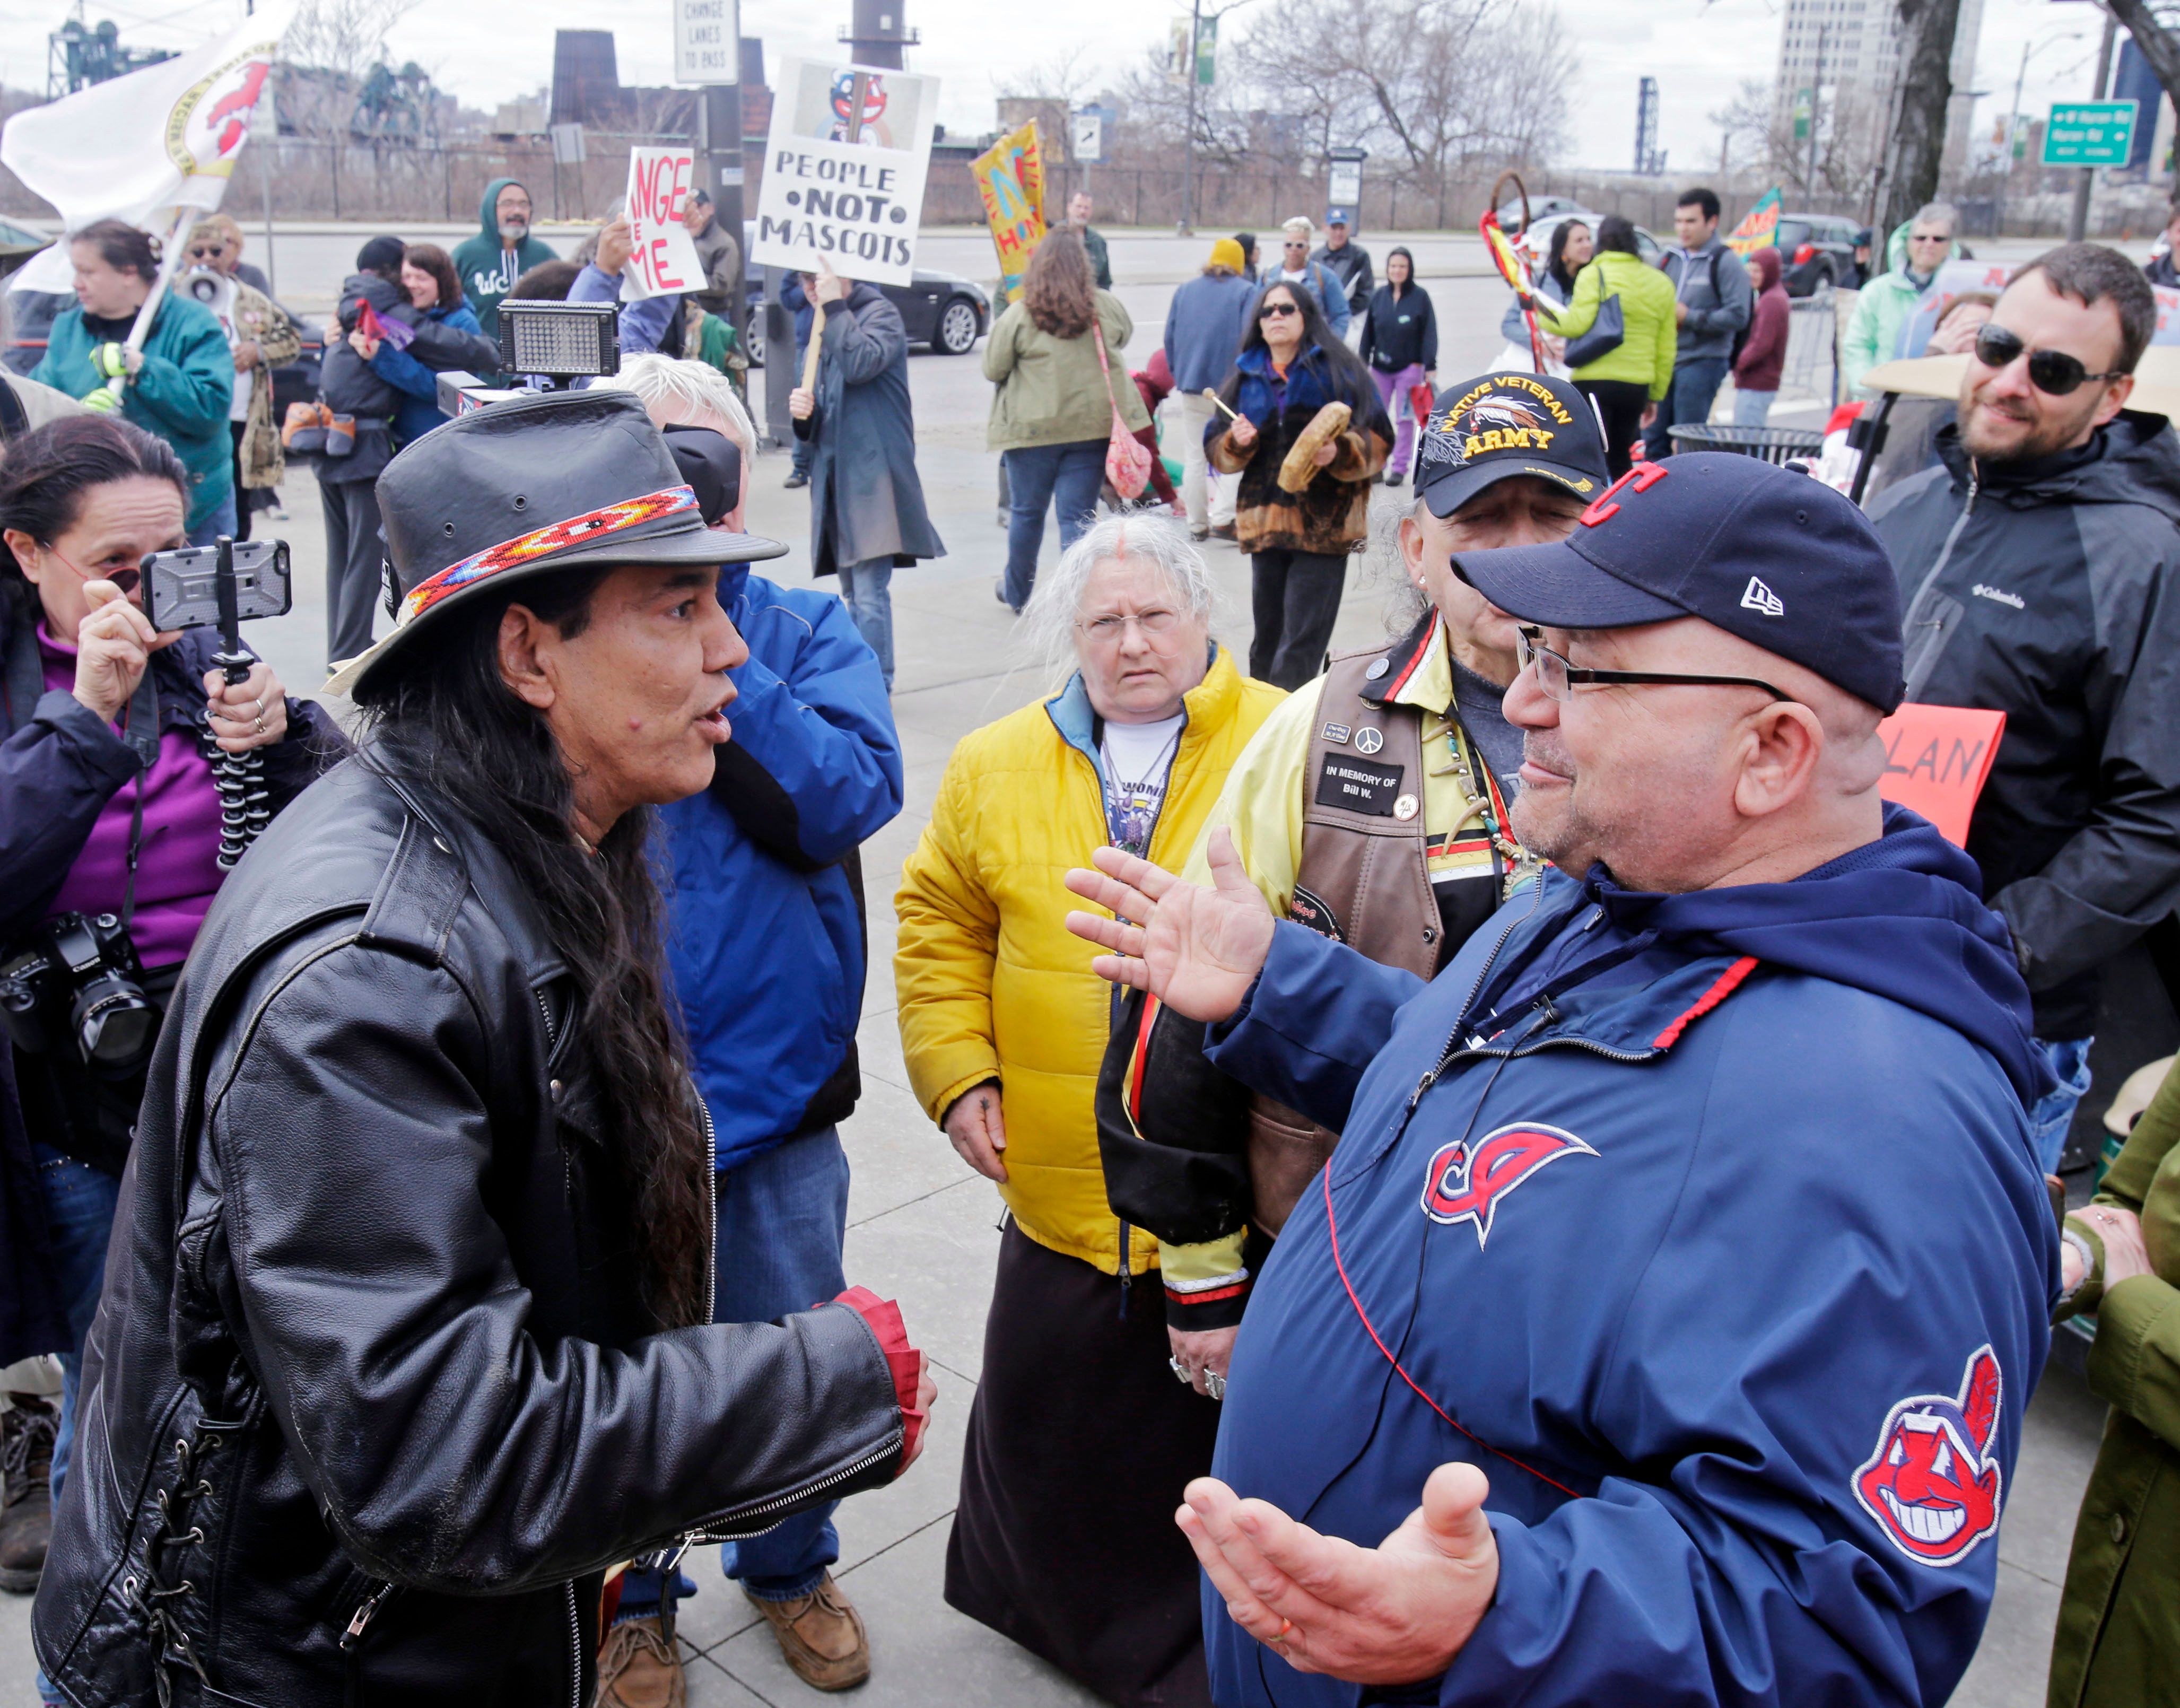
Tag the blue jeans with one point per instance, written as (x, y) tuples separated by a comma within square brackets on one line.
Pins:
[(782, 1215), (867, 588), (1687, 400), (1065, 476), (80, 1204), (2054, 1113), (220, 522), (1753, 408)]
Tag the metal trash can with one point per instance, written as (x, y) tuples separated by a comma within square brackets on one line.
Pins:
[(1773, 444)]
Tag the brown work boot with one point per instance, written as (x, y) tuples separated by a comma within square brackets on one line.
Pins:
[(821, 1635), (639, 1668), (26, 1507)]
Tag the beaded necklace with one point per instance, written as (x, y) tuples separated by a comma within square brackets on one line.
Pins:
[(1465, 764)]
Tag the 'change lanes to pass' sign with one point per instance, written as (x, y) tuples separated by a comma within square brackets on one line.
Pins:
[(844, 171)]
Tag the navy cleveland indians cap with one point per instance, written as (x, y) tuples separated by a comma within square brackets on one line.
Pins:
[(1499, 424), (1767, 553)]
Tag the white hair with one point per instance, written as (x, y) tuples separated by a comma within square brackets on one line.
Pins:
[(1049, 620), (1937, 214), (1300, 225), (696, 387)]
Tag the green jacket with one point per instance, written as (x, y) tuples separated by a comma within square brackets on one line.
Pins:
[(1645, 355), (1101, 263), (181, 394), (1887, 304), (2118, 1638), (1050, 391), (486, 268)]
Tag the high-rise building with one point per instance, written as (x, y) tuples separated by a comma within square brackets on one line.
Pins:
[(1848, 53), (1649, 158)]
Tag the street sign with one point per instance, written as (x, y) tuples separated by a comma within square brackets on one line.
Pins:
[(1086, 136), (708, 42), (2090, 133)]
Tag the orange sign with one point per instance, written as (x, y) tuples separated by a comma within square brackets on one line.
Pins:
[(1936, 759)]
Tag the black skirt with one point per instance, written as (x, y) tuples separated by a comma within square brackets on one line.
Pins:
[(1081, 1441)]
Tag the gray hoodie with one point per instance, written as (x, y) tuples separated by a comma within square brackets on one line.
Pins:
[(1715, 285)]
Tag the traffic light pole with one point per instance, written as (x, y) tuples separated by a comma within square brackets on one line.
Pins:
[(2078, 221)]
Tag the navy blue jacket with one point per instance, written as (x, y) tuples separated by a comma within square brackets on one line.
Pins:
[(1204, 326), (766, 933), (416, 411), (1712, 1221)]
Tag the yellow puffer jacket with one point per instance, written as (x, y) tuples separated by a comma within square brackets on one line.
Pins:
[(992, 984)]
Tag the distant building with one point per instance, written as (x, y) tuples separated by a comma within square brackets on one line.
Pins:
[(588, 91), (1848, 51)]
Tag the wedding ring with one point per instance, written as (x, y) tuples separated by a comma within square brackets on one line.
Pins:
[(1285, 1626), (261, 724)]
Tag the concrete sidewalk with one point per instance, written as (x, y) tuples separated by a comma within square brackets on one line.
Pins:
[(924, 1229)]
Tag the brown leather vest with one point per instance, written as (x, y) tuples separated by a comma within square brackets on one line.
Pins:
[(1364, 880)]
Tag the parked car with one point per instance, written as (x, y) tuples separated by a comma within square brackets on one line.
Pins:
[(1538, 239), (1818, 250), (941, 309)]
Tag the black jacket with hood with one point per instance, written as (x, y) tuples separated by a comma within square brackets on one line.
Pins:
[(373, 1398), (2049, 590), (350, 386)]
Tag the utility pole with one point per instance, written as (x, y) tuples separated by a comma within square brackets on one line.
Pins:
[(1186, 228), (2078, 222)]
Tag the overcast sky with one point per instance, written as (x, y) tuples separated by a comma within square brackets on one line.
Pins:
[(490, 50)]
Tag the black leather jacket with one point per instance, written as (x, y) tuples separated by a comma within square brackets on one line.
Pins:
[(371, 1350)]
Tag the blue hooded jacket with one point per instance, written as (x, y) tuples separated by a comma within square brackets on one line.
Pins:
[(765, 930), (1707, 1226)]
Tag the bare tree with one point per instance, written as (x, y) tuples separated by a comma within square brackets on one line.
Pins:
[(1443, 87), (1927, 28), (2157, 38), (347, 37)]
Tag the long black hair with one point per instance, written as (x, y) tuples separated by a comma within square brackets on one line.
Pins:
[(1351, 381), (447, 718), (1555, 257)]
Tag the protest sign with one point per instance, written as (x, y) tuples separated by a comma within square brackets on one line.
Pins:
[(664, 258), (139, 147), (1010, 178), (844, 171), (1759, 226), (1936, 759)]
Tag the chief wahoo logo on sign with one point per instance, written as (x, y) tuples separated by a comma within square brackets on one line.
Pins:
[(1932, 1485), (1466, 1182)]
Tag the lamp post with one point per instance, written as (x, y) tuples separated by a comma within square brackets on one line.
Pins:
[(2078, 222)]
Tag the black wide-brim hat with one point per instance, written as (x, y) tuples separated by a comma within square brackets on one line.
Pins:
[(562, 481)]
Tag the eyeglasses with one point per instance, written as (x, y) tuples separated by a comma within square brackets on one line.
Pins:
[(1277, 310), (1108, 631), (2052, 372), (1558, 678), (124, 574)]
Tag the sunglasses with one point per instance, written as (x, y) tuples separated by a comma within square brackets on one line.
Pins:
[(2052, 372), (212, 254), (1277, 310)]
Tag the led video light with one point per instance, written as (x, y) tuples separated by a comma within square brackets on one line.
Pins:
[(560, 340)]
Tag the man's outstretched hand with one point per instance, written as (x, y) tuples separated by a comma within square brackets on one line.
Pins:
[(1197, 950), (1393, 1614)]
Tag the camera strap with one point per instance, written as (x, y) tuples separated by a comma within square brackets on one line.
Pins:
[(139, 728)]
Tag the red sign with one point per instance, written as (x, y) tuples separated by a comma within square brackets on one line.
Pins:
[(1936, 759), (664, 258)]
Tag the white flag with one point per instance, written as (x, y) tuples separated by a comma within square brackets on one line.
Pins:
[(140, 147)]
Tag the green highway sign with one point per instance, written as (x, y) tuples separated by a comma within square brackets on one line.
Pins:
[(2090, 133)]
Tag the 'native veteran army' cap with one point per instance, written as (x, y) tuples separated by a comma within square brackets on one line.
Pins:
[(1767, 553), (1501, 425)]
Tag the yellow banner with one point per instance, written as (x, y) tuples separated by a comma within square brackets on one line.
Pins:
[(1010, 179)]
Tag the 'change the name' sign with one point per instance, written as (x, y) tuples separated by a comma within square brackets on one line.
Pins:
[(1936, 760), (844, 171)]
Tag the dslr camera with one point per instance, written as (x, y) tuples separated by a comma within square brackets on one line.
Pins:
[(78, 987)]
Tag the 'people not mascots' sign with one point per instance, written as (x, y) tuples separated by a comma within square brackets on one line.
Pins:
[(844, 171)]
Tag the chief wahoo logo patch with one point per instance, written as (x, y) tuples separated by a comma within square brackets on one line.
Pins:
[(1932, 1485), (1466, 1181)]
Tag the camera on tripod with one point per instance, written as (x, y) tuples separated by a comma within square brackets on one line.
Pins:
[(78, 984)]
